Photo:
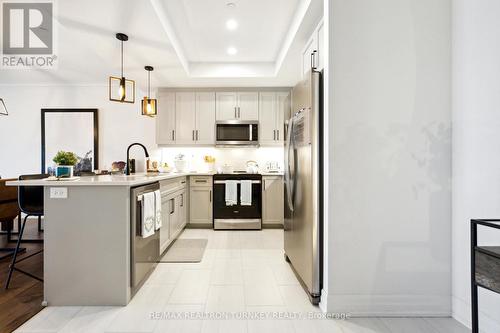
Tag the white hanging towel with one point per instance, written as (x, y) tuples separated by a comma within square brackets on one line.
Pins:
[(231, 192), (148, 214), (157, 209), (246, 193)]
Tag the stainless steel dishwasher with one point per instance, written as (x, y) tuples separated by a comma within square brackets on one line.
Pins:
[(145, 252)]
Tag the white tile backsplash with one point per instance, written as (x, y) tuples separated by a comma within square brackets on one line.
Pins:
[(236, 157)]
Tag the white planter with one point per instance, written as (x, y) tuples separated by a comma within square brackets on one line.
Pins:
[(180, 165), (64, 171)]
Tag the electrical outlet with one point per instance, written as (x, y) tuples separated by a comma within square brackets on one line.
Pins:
[(58, 192)]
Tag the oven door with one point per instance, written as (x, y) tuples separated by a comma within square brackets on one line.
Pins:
[(237, 133), (237, 216)]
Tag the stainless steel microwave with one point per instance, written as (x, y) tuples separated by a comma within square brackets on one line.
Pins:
[(237, 133)]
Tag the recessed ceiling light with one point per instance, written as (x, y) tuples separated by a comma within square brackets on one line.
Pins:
[(232, 50), (231, 4), (231, 24)]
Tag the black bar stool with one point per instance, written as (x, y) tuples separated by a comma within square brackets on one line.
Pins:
[(30, 200), (9, 210)]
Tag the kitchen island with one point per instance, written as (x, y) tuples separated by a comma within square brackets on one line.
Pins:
[(88, 237)]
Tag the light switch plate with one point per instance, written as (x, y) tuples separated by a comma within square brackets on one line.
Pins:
[(58, 192)]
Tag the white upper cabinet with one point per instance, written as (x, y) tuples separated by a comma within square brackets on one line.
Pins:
[(273, 108), (308, 54), (268, 113), (185, 117), (227, 103), (320, 61), (284, 109), (248, 106), (237, 106), (205, 118), (165, 120), (313, 52)]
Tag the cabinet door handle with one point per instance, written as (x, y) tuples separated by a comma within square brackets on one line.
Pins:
[(210, 195), (197, 135), (278, 135), (239, 112), (313, 59), (173, 135), (172, 206), (182, 200), (235, 114), (274, 134)]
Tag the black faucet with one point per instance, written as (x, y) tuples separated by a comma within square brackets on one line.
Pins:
[(127, 168)]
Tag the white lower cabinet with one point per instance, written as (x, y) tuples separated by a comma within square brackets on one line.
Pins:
[(173, 210), (272, 200), (200, 200), (178, 214), (165, 221)]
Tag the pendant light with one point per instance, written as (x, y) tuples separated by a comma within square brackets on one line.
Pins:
[(149, 104), (3, 108), (121, 89)]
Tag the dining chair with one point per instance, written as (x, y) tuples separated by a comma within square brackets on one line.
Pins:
[(30, 201)]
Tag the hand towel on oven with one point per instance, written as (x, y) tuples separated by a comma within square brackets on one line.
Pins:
[(231, 192), (157, 209), (246, 193), (148, 214)]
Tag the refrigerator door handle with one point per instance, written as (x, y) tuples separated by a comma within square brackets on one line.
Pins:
[(287, 164)]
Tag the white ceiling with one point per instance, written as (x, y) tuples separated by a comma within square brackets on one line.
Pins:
[(187, 47), (201, 28)]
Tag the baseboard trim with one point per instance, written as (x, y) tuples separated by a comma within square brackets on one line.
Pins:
[(210, 226), (387, 305), (199, 226), (462, 313), (272, 226)]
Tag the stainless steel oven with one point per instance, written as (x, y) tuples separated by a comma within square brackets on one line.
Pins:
[(237, 133), (237, 216)]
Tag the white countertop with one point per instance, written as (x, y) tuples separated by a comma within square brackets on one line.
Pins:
[(115, 180)]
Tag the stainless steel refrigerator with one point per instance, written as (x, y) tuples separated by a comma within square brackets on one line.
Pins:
[(303, 185)]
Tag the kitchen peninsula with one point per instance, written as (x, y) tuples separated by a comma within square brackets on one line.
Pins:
[(93, 254), (88, 237)]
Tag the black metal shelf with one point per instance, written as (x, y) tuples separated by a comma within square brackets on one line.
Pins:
[(485, 267)]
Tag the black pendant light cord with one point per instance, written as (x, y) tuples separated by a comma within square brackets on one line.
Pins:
[(122, 56), (149, 84)]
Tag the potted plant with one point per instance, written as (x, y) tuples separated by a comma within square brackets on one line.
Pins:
[(65, 161)]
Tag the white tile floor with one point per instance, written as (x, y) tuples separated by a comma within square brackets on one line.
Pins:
[(241, 272)]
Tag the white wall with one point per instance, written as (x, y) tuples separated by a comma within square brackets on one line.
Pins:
[(389, 214), (476, 145), (119, 124)]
